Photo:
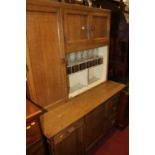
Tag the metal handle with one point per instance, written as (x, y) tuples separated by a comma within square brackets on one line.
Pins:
[(71, 130), (83, 28), (28, 127), (33, 123), (61, 136)]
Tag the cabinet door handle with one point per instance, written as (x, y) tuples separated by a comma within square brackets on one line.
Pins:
[(83, 28), (33, 123), (71, 130), (61, 136)]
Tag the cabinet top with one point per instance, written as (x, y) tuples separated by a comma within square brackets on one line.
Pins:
[(64, 115), (49, 3)]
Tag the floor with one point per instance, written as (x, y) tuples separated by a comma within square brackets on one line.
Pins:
[(116, 143)]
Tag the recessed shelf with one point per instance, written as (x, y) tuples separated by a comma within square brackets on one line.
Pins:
[(76, 87), (87, 73), (93, 79)]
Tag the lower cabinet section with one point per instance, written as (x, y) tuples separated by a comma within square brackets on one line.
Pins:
[(80, 137)]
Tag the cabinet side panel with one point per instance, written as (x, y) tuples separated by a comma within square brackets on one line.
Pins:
[(43, 35)]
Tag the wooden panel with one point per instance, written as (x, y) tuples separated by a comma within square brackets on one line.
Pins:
[(112, 105), (100, 26), (76, 27), (32, 110), (70, 144), (66, 132), (36, 149), (94, 126), (46, 55)]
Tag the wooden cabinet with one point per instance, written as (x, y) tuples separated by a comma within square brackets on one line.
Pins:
[(45, 56), (69, 141), (94, 127), (34, 138), (85, 29)]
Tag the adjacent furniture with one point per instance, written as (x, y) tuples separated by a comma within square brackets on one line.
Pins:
[(34, 138)]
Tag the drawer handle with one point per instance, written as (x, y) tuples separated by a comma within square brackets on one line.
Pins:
[(28, 127), (33, 123), (71, 130), (61, 136)]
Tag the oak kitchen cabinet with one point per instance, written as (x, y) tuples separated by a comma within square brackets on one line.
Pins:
[(91, 30), (53, 31)]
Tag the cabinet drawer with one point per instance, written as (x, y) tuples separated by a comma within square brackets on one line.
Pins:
[(110, 123), (112, 105), (36, 149), (33, 132), (66, 132)]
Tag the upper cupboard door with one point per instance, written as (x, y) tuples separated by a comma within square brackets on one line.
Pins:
[(76, 29), (45, 51), (100, 27)]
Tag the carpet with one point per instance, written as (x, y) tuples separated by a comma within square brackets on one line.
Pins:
[(116, 143)]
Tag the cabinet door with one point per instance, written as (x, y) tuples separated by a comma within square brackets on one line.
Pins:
[(69, 142), (46, 69), (100, 27), (76, 29), (94, 127)]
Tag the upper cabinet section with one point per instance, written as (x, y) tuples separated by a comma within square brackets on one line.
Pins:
[(85, 29)]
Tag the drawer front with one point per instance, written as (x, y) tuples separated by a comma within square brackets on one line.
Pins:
[(66, 132), (112, 105), (33, 132), (36, 149), (110, 123)]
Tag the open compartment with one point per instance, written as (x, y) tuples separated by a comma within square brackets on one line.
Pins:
[(98, 74), (94, 72), (78, 82)]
